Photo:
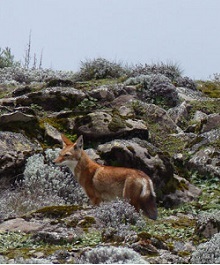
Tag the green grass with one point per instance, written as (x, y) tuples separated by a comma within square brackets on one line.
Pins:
[(210, 88)]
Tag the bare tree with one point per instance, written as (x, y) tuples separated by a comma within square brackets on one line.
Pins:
[(41, 59), (27, 58)]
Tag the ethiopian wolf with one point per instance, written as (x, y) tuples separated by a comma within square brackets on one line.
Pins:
[(105, 183)]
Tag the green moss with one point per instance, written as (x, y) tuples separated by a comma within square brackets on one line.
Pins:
[(55, 211), (208, 107), (32, 128), (171, 186), (144, 235), (91, 239), (95, 83), (118, 122), (87, 222), (210, 88)]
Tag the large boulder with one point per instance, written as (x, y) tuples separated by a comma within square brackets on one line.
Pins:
[(133, 154), (205, 154), (14, 149), (171, 190), (155, 116), (52, 98), (99, 124)]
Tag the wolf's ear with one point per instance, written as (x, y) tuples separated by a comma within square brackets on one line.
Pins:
[(65, 140), (79, 143)]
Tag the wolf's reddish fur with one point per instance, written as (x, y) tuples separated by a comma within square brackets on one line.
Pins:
[(104, 183)]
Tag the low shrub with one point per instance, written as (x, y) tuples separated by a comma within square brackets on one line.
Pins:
[(117, 218), (116, 213), (110, 255), (100, 68), (44, 184), (18, 75), (208, 253), (170, 70)]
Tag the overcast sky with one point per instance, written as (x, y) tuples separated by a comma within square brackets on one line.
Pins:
[(186, 32)]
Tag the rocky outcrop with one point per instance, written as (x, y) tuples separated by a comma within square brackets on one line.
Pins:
[(160, 125), (103, 125), (15, 148), (54, 98)]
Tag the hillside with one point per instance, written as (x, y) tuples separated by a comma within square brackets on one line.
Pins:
[(148, 117)]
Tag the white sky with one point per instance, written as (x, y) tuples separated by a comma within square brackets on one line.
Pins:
[(186, 32)]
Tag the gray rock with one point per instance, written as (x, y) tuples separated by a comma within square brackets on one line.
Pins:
[(52, 133), (54, 98), (14, 149), (212, 122), (186, 192), (16, 116), (188, 94), (206, 161), (166, 257), (208, 224), (179, 113), (153, 114), (132, 154), (101, 124), (102, 93), (21, 225)]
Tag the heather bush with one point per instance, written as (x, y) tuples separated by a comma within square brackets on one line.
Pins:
[(116, 213), (59, 181), (170, 70), (18, 75), (208, 253), (100, 68), (205, 217), (185, 82), (44, 184), (110, 255), (156, 88), (117, 218)]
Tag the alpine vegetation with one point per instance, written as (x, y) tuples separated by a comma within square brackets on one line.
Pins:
[(209, 252), (100, 68), (111, 255), (116, 213), (156, 88), (43, 184)]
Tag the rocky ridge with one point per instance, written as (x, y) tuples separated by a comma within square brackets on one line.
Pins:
[(171, 133)]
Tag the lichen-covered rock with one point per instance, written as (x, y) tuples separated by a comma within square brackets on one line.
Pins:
[(53, 98), (208, 224), (21, 225), (16, 116), (180, 113), (105, 125), (132, 154), (166, 257), (155, 88), (184, 193), (14, 149), (206, 161), (155, 116), (188, 94)]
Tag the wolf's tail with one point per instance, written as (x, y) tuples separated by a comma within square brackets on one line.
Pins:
[(148, 200)]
